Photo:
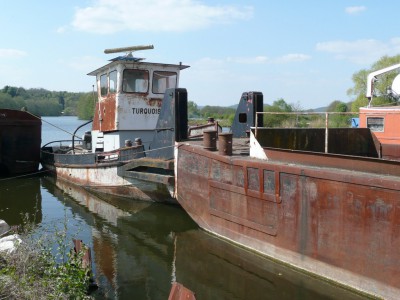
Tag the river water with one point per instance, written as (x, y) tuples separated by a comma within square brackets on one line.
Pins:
[(139, 248)]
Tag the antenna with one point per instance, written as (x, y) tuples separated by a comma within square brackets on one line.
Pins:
[(128, 49)]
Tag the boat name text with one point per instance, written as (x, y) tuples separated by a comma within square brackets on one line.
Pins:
[(146, 111)]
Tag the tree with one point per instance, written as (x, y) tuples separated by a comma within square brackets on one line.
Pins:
[(39, 101), (85, 107), (360, 83), (193, 110), (340, 120), (276, 120)]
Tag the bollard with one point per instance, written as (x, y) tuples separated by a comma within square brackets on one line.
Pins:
[(138, 141), (225, 143), (128, 143), (210, 140)]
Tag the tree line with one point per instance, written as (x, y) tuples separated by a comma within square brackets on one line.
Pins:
[(42, 102)]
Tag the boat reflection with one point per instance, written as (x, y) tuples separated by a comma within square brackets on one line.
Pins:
[(215, 269), (20, 200), (140, 248), (132, 241)]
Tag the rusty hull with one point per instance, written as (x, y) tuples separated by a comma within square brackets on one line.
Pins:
[(103, 179), (331, 215), (180, 292)]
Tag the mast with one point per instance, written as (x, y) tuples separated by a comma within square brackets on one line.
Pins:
[(128, 49)]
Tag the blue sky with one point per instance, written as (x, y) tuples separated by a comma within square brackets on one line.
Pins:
[(302, 51)]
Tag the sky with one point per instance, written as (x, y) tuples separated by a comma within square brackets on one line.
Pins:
[(302, 51)]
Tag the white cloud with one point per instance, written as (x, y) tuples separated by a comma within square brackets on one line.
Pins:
[(108, 16), (61, 29), (292, 57), (363, 52), (248, 60), (353, 10), (11, 53), (288, 58)]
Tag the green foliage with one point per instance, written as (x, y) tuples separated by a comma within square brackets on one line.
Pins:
[(40, 102), (277, 120), (193, 110), (339, 120), (86, 104), (34, 271), (224, 115), (216, 112)]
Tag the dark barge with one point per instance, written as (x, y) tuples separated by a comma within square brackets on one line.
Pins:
[(20, 139)]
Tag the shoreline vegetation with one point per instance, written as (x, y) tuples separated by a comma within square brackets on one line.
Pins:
[(43, 267)]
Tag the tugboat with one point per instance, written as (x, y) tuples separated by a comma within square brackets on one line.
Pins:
[(129, 151), (325, 201)]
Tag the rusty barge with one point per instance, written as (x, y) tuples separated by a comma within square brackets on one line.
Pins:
[(20, 138), (129, 151), (322, 200)]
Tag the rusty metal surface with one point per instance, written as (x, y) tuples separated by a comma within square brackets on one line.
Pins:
[(179, 292), (391, 151), (245, 117), (225, 143), (104, 114), (350, 163), (104, 179), (86, 258), (150, 170), (329, 220), (210, 139), (346, 141), (198, 130), (20, 138)]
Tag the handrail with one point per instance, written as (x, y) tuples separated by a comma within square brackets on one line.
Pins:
[(76, 130), (305, 113), (58, 141)]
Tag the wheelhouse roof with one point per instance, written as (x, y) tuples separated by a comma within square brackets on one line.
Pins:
[(132, 62)]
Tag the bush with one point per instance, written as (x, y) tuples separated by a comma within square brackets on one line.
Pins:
[(34, 271)]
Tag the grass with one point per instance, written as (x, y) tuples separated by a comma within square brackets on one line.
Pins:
[(35, 271)]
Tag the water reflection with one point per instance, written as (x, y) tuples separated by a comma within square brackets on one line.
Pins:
[(20, 200), (132, 241), (139, 248), (216, 269)]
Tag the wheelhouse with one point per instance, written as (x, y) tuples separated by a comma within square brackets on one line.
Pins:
[(129, 97)]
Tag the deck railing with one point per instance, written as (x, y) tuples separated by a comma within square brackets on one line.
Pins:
[(308, 120)]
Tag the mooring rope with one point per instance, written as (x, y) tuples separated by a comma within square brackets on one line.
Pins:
[(24, 175), (40, 118)]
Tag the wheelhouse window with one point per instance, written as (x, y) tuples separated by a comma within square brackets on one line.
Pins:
[(113, 82), (135, 81), (376, 124), (163, 80), (108, 83), (103, 85)]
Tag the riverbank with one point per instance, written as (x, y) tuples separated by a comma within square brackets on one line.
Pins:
[(30, 270)]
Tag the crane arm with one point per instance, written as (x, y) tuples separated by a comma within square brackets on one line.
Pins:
[(372, 77)]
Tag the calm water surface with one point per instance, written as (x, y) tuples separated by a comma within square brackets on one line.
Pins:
[(139, 248)]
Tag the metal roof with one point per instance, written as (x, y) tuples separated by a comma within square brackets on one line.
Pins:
[(131, 59)]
